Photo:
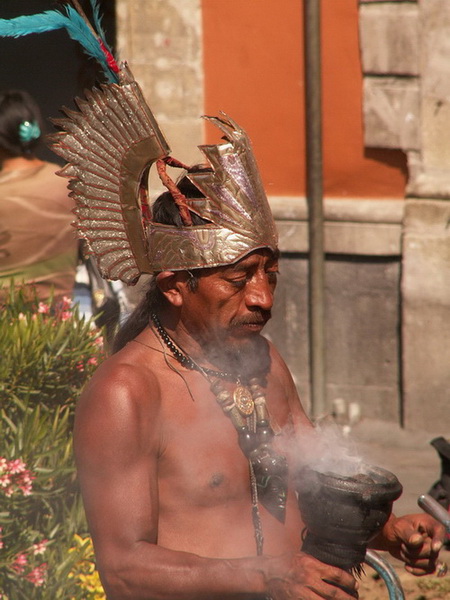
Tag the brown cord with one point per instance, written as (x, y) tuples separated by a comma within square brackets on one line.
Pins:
[(179, 198)]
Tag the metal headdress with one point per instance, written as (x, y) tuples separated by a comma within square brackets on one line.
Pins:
[(110, 144)]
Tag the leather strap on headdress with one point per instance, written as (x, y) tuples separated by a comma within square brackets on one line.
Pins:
[(179, 198)]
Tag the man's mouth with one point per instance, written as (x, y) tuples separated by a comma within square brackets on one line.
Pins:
[(255, 323)]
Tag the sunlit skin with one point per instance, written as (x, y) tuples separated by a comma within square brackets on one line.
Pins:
[(165, 484)]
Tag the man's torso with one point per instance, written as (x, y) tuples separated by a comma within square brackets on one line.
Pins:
[(204, 491)]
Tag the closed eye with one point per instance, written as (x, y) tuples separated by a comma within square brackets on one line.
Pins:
[(238, 283), (272, 276)]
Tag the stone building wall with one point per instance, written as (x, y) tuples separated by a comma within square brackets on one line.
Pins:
[(362, 308)]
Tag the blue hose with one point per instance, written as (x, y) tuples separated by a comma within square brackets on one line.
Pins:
[(387, 573)]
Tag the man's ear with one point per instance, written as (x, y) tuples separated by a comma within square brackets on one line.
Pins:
[(172, 285)]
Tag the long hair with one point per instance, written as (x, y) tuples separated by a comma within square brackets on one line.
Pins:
[(165, 211), (16, 108)]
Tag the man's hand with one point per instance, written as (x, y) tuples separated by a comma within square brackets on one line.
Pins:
[(306, 578), (416, 540)]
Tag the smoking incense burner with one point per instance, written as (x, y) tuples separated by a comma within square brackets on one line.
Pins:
[(343, 514)]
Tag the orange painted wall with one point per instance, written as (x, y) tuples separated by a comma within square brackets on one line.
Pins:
[(253, 61)]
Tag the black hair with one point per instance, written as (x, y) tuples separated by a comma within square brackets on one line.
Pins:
[(165, 211), (17, 107)]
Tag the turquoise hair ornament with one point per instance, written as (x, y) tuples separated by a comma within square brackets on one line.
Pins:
[(29, 131)]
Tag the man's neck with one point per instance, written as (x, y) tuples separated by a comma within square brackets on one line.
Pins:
[(187, 343), (247, 360)]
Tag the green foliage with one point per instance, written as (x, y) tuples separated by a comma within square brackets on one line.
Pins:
[(47, 354), (47, 351)]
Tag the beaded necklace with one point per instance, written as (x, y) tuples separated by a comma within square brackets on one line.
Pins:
[(182, 357), (247, 410)]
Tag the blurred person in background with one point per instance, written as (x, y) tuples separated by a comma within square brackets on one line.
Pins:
[(37, 242)]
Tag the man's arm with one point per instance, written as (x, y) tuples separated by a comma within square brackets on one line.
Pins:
[(117, 444), (415, 539)]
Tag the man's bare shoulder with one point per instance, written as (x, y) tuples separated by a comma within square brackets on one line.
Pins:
[(278, 366), (127, 368), (281, 374), (120, 404), (127, 380)]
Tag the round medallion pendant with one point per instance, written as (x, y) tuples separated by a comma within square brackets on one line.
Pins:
[(243, 400)]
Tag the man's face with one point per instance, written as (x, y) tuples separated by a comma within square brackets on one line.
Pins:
[(232, 304)]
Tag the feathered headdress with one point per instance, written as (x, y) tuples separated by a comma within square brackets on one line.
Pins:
[(111, 142)]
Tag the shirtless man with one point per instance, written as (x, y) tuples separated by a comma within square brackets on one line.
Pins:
[(165, 484)]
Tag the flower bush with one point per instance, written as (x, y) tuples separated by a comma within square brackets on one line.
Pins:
[(84, 572), (47, 354)]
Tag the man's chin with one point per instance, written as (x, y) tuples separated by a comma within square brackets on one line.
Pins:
[(248, 330)]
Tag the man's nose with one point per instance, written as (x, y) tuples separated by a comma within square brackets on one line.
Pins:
[(259, 293)]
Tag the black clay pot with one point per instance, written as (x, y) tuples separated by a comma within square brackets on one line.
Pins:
[(343, 514)]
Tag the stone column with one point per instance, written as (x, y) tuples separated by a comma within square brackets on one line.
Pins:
[(426, 239), (425, 294), (162, 41), (430, 163)]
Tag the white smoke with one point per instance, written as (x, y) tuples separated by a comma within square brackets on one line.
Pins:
[(325, 449)]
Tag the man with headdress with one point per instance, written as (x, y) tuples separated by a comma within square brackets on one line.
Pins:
[(180, 437)]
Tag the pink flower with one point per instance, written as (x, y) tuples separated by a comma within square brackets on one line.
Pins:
[(38, 575), (9, 491), (98, 341), (40, 547), (5, 480), (66, 303), (25, 483), (79, 366), (63, 309), (92, 361), (19, 563), (21, 559), (15, 477), (43, 308), (1, 539), (16, 466), (26, 489)]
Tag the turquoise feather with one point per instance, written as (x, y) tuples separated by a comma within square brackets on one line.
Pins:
[(97, 18), (40, 23), (51, 20)]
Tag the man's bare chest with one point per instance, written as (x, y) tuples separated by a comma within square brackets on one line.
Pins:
[(200, 454)]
